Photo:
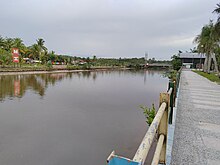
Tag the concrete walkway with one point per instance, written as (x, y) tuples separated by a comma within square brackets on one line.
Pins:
[(197, 131)]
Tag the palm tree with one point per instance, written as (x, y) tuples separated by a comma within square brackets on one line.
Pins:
[(8, 44), (34, 51), (18, 43), (42, 48), (2, 42), (40, 43), (52, 56), (207, 43), (217, 11), (217, 30), (217, 25)]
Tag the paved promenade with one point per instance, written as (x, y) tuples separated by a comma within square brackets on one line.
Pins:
[(197, 132)]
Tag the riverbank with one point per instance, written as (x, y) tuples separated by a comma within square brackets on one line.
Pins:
[(16, 71), (62, 69)]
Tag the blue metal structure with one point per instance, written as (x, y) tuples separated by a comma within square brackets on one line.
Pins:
[(118, 160)]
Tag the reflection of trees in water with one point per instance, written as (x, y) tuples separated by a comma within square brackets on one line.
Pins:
[(16, 85), (86, 75), (95, 74)]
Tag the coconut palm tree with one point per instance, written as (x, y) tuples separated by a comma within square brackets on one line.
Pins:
[(42, 48), (2, 42), (34, 51), (207, 42), (52, 56), (217, 11), (217, 25), (40, 43), (8, 44), (217, 30), (18, 43)]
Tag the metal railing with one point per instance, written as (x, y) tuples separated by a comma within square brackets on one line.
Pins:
[(158, 129)]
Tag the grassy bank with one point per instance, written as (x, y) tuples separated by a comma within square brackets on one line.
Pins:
[(24, 68), (212, 77)]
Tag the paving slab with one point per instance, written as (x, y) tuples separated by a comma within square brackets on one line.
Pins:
[(197, 126)]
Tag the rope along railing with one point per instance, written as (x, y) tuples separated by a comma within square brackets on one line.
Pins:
[(158, 129)]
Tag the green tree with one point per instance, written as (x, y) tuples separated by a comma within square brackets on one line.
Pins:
[(8, 44), (5, 57), (176, 62), (34, 52), (40, 43), (18, 43), (94, 58), (2, 42), (207, 43), (42, 49), (217, 53), (217, 25), (52, 56)]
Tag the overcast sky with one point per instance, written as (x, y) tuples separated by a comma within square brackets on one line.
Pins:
[(107, 28)]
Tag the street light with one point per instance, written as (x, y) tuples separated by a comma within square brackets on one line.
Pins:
[(200, 65)]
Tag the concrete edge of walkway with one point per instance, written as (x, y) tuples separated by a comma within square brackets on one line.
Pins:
[(171, 129)]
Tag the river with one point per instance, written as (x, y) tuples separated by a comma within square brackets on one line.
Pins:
[(74, 118)]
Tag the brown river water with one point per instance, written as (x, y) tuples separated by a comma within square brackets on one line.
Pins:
[(74, 118)]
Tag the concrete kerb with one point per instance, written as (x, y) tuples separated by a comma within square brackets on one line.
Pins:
[(171, 129)]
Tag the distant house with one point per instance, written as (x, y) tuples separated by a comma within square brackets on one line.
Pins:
[(27, 60), (192, 60), (79, 62)]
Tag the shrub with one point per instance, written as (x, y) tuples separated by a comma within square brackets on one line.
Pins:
[(149, 113)]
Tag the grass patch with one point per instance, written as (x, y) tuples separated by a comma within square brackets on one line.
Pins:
[(211, 76), (25, 68)]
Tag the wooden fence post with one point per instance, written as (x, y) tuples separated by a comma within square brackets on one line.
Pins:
[(163, 127)]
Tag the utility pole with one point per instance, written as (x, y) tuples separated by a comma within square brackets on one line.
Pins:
[(145, 66), (146, 56)]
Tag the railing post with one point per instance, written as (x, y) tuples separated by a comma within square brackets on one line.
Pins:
[(163, 127), (174, 92), (177, 79), (171, 85)]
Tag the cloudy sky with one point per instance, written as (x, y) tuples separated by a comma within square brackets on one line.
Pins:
[(107, 28)]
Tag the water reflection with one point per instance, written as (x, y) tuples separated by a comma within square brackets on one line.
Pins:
[(16, 85), (75, 115)]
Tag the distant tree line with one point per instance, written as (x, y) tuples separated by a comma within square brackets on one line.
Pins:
[(38, 51)]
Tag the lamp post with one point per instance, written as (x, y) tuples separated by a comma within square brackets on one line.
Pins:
[(200, 63)]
